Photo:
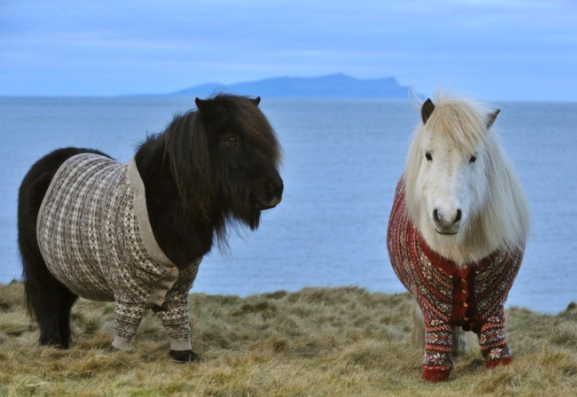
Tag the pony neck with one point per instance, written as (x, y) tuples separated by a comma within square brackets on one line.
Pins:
[(183, 237)]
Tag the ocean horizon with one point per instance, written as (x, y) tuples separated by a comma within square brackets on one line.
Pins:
[(342, 160)]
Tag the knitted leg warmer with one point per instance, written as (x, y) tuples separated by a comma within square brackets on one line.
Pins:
[(127, 319), (175, 319), (492, 341), (438, 360)]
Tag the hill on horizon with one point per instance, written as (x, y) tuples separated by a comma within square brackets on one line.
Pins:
[(330, 86)]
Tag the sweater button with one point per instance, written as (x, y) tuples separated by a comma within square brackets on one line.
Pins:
[(464, 291), (463, 280), (465, 304), (465, 318)]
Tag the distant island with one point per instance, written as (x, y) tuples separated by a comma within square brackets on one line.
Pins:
[(332, 86)]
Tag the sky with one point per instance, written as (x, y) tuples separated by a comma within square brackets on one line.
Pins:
[(494, 49)]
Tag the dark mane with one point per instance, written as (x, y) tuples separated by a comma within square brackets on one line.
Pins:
[(187, 152)]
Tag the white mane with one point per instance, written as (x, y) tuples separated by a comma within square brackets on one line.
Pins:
[(503, 222)]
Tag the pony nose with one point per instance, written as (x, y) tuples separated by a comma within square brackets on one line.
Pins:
[(458, 217), (275, 189), (272, 192), (447, 219)]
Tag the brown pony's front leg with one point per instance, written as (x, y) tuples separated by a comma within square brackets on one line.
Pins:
[(175, 319), (126, 321)]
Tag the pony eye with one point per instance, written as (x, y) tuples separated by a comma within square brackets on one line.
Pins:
[(472, 159), (230, 140), (429, 156)]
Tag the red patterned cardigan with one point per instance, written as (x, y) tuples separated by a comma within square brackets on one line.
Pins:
[(471, 296)]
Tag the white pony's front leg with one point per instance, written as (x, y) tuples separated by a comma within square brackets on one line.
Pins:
[(438, 359), (462, 340)]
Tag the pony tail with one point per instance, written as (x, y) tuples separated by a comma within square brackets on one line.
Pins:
[(190, 165)]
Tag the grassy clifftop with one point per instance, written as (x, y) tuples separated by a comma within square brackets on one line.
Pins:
[(315, 342)]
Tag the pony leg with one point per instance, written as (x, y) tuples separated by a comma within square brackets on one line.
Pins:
[(438, 361), (67, 300), (175, 319), (48, 300), (418, 336), (437, 342), (127, 319), (459, 341), (51, 303), (494, 347), (436, 366)]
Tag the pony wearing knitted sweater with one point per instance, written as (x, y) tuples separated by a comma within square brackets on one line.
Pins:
[(457, 232), (136, 232)]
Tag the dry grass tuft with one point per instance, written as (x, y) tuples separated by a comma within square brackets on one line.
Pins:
[(315, 342)]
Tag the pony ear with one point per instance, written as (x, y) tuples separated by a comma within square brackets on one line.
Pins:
[(427, 110), (201, 104), (492, 117), (255, 101)]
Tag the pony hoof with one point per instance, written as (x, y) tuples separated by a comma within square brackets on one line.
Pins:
[(495, 363), (114, 349), (184, 356), (433, 375), (55, 343), (57, 346)]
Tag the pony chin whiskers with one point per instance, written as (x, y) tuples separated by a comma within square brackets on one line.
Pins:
[(443, 233)]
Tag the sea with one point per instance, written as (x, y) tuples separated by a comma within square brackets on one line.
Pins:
[(342, 160)]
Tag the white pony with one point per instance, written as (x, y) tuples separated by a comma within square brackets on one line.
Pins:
[(457, 231)]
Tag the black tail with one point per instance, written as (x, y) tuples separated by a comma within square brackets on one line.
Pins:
[(48, 301)]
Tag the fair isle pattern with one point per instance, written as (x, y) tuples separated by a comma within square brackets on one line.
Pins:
[(471, 296), (94, 234)]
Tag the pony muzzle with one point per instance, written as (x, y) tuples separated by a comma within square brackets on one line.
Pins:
[(447, 221), (270, 193)]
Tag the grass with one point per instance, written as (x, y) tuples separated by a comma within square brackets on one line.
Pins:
[(314, 342)]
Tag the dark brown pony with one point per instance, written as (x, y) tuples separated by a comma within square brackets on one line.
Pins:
[(211, 167)]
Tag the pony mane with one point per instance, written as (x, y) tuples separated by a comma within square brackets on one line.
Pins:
[(188, 151), (504, 222), (189, 160)]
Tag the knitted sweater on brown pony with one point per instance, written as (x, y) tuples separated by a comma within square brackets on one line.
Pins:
[(457, 231), (135, 232)]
